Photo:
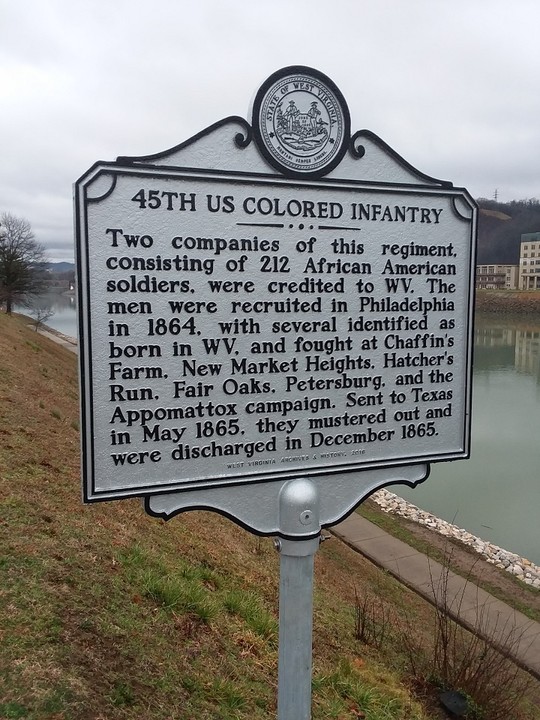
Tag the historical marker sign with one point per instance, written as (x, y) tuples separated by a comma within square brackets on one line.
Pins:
[(239, 325)]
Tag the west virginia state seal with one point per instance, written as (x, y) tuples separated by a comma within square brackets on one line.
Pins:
[(301, 122)]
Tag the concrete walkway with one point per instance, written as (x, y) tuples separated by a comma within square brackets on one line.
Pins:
[(63, 340), (472, 607)]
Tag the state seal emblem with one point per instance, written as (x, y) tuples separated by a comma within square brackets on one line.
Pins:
[(301, 122)]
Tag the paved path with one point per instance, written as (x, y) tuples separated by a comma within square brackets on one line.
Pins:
[(469, 605), (63, 340)]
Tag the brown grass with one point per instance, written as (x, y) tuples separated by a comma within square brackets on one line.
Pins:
[(108, 614)]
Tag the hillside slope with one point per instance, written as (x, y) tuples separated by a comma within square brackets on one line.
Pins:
[(500, 226), (106, 613)]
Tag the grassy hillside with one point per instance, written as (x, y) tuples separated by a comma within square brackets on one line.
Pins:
[(108, 614)]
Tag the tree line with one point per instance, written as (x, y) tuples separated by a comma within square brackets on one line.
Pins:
[(500, 226)]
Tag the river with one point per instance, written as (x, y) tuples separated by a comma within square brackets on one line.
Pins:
[(64, 309), (496, 493)]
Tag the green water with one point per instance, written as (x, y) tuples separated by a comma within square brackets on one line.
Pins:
[(496, 493)]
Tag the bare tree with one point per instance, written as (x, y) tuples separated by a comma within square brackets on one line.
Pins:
[(22, 262), (41, 313)]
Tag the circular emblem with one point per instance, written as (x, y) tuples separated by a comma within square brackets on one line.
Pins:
[(301, 122)]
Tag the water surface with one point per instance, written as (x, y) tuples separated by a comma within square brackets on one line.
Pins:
[(63, 307), (496, 493)]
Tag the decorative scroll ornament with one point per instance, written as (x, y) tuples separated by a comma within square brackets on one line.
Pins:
[(301, 122)]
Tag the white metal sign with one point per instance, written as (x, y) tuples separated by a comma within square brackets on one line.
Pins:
[(239, 326)]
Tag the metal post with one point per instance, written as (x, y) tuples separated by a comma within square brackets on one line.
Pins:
[(299, 518), (295, 628)]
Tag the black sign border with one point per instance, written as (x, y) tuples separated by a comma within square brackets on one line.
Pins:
[(256, 122), (113, 170)]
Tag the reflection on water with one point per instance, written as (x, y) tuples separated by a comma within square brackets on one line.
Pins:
[(496, 493), (64, 308), (527, 351), (510, 343)]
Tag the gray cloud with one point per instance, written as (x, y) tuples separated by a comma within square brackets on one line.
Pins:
[(452, 87)]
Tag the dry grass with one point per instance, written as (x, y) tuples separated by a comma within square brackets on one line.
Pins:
[(108, 614)]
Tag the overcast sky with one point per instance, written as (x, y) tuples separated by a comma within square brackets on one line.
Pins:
[(452, 86)]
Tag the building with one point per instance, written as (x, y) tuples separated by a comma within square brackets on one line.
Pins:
[(497, 277), (529, 261)]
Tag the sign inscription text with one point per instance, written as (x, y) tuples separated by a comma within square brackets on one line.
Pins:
[(241, 330)]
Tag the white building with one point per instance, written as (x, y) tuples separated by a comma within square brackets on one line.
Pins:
[(529, 262), (497, 277)]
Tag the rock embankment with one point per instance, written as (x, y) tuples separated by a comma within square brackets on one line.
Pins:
[(521, 568), (508, 302)]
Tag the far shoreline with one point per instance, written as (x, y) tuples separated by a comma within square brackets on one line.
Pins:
[(508, 302)]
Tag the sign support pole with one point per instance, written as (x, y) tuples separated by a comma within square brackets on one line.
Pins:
[(295, 627), (299, 519)]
